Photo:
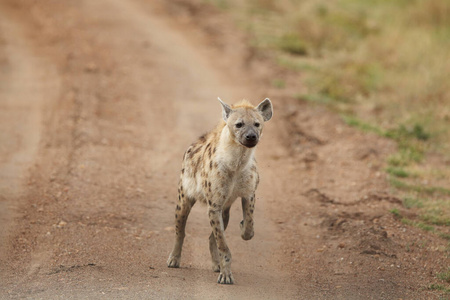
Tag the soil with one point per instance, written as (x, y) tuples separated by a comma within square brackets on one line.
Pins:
[(99, 100)]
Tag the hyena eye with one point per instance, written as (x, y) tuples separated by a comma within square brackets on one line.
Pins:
[(239, 125), (257, 124)]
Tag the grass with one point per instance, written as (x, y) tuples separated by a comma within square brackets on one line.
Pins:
[(395, 212), (444, 276), (411, 202), (439, 287), (398, 172), (384, 66)]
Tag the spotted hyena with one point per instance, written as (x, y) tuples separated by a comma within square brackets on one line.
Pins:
[(219, 167)]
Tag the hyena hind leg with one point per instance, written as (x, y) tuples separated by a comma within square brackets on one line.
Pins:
[(181, 214), (215, 257)]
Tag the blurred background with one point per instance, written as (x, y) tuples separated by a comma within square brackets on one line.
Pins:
[(383, 65)]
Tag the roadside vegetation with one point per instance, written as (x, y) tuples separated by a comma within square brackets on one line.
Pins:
[(384, 66)]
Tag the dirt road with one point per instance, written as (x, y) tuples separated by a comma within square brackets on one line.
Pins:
[(99, 100)]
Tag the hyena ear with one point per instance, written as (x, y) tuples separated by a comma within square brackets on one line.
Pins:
[(226, 110), (265, 109)]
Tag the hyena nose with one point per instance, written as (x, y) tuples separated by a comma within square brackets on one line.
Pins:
[(251, 137)]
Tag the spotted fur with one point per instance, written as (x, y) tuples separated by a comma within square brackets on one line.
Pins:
[(217, 169)]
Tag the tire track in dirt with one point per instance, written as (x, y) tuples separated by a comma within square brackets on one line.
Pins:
[(28, 84)]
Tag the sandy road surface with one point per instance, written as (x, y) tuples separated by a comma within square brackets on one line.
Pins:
[(104, 227), (27, 85), (99, 99)]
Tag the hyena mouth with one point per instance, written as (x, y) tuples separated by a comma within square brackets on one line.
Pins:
[(249, 144)]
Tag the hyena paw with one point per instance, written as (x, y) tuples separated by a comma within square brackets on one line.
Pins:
[(225, 278), (173, 261), (246, 233)]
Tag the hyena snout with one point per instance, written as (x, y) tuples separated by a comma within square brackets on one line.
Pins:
[(250, 139)]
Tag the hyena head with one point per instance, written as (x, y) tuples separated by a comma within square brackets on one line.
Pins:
[(245, 122)]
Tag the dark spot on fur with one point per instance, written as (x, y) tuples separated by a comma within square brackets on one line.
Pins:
[(182, 171), (182, 195), (209, 202), (251, 210), (178, 207), (214, 150), (202, 138), (210, 165), (196, 150), (195, 166)]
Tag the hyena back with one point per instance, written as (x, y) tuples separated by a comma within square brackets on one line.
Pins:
[(216, 170)]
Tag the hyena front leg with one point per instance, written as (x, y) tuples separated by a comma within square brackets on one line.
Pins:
[(215, 257), (181, 214), (248, 207), (217, 224)]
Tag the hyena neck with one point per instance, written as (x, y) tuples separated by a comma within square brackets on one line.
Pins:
[(231, 154)]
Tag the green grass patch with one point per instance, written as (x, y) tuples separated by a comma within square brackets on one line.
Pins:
[(433, 211), (292, 44), (420, 225), (398, 172), (445, 236), (420, 189), (410, 202), (425, 227), (409, 142), (436, 218), (417, 131), (439, 287), (406, 156), (364, 126), (395, 212), (445, 276)]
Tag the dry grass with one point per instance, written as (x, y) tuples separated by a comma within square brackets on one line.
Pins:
[(383, 64)]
